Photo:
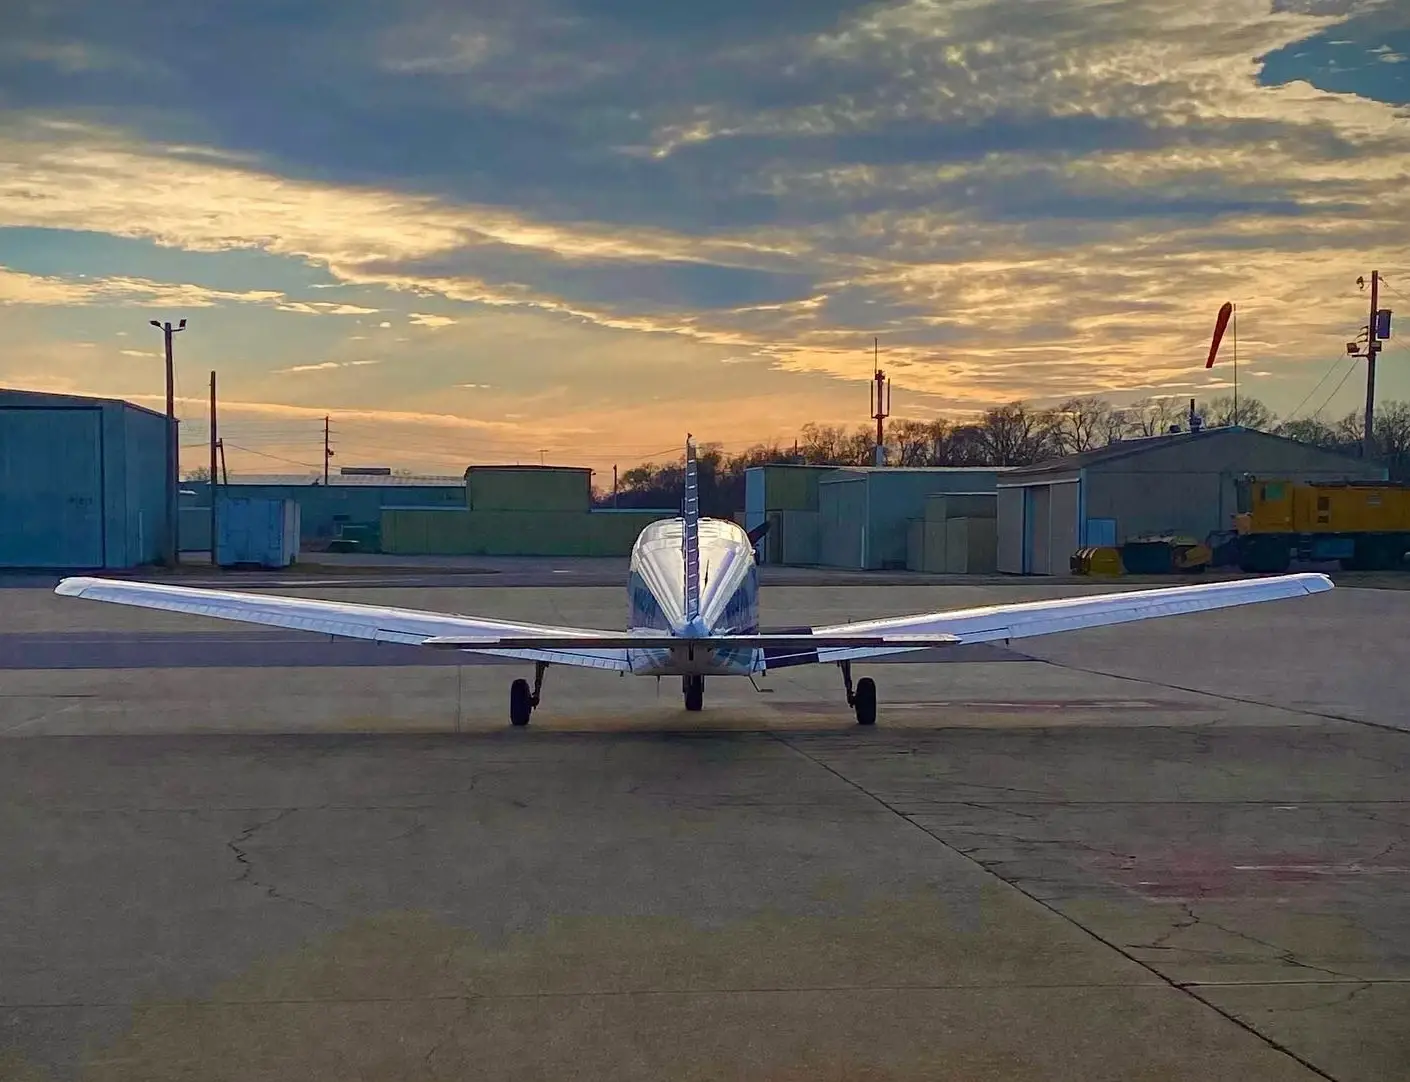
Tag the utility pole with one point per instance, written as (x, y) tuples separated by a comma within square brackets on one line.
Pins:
[(541, 453), (614, 485), (1368, 442), (327, 450), (215, 443), (172, 554), (881, 401), (224, 473)]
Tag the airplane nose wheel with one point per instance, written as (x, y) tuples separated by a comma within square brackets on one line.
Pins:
[(694, 688), (523, 700), (863, 699)]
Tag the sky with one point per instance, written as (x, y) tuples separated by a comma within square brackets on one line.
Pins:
[(572, 230)]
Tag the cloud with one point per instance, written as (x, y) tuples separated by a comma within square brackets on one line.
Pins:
[(324, 366), (324, 308), (1019, 199), (138, 353), (420, 319)]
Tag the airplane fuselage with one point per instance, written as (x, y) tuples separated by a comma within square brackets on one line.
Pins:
[(729, 598)]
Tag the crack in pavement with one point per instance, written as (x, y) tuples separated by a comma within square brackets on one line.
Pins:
[(235, 845), (1340, 1000)]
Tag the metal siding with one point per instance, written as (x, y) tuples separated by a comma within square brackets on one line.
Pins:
[(842, 519), (971, 545), (253, 531), (1065, 526), (51, 488), (143, 517), (801, 543), (1010, 530), (792, 488), (753, 497), (895, 496), (495, 488), (446, 532), (1143, 503), (1040, 527)]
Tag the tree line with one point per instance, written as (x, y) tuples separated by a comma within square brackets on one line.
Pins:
[(1015, 434)]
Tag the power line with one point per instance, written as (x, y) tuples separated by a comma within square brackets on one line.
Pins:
[(277, 458), (1308, 397), (1350, 369)]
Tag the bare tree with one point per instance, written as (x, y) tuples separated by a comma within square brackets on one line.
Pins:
[(910, 443), (1154, 416), (1080, 424), (1310, 430), (1015, 435), (1250, 413)]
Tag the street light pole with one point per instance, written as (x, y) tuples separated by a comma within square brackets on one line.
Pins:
[(172, 554)]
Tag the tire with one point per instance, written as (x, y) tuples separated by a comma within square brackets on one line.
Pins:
[(864, 701), (520, 703), (694, 693)]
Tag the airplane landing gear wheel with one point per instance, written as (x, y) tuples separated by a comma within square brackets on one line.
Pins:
[(864, 701), (694, 692), (521, 703)]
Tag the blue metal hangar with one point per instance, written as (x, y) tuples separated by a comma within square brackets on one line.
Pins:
[(82, 482)]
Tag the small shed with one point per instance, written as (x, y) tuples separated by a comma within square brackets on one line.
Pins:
[(82, 482), (1180, 483), (865, 512)]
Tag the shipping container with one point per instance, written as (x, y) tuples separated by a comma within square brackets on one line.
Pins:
[(263, 533)]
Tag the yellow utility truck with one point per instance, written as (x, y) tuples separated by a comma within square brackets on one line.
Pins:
[(1364, 524)]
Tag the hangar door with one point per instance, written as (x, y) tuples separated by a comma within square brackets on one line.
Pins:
[(1050, 527), (51, 488), (1063, 528)]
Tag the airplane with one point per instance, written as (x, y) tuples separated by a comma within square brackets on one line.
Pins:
[(693, 612)]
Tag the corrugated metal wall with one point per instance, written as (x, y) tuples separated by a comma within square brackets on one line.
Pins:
[(426, 531), (144, 487), (1010, 530), (1038, 514), (1064, 528), (528, 488), (51, 487), (841, 519), (971, 546), (801, 536)]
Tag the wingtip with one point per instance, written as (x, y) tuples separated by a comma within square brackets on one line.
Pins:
[(73, 586)]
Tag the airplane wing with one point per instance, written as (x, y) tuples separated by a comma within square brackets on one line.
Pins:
[(530, 642), (1029, 618)]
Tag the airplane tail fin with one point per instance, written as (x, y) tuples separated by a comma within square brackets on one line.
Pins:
[(690, 515)]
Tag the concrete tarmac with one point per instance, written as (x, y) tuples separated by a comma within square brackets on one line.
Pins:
[(1174, 850)]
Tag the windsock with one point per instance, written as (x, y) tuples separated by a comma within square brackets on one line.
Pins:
[(1219, 325)]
